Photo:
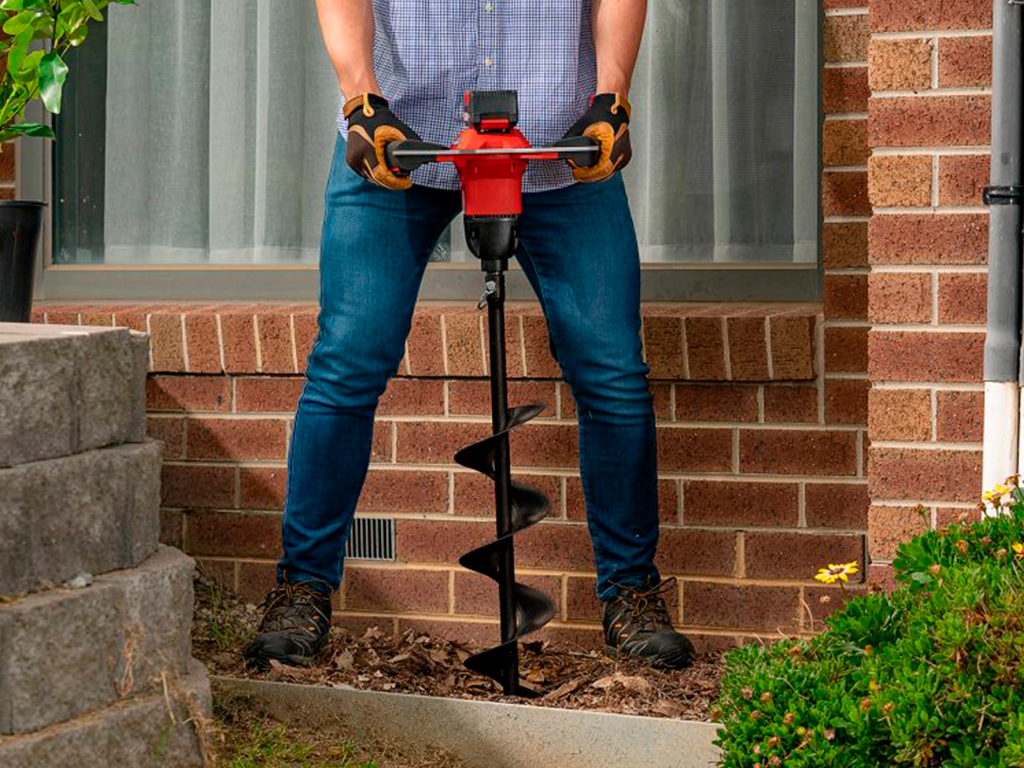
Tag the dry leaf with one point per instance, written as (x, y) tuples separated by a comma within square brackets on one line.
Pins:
[(637, 684), (399, 658), (563, 690), (344, 660), (668, 708)]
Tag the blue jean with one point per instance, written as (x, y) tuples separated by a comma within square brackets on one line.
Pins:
[(579, 252)]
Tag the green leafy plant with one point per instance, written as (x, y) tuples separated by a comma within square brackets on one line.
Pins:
[(930, 674), (37, 34)]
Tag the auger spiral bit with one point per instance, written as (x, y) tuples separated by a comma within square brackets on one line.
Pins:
[(491, 157)]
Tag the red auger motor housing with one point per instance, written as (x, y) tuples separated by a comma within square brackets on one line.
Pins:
[(491, 157)]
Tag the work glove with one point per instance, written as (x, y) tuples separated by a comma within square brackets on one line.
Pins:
[(371, 127), (607, 121)]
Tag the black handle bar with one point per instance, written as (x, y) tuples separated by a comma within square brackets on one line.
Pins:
[(407, 156)]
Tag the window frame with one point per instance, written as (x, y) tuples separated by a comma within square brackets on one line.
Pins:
[(447, 282)]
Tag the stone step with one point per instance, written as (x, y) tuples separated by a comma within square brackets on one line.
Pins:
[(65, 653), (143, 732), (95, 512), (67, 389)]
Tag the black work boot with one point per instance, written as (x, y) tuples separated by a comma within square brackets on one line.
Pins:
[(294, 627), (637, 625)]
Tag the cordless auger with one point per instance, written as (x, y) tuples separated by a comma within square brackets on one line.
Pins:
[(491, 157)]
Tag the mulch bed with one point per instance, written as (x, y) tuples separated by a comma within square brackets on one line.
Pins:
[(565, 676)]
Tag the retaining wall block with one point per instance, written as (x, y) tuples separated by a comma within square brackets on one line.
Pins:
[(65, 653), (95, 512), (140, 733)]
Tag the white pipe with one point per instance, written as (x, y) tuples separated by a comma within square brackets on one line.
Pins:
[(1002, 424)]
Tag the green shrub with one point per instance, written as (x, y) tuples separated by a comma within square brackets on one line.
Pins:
[(931, 674)]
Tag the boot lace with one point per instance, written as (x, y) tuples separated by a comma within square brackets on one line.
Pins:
[(293, 607), (647, 606)]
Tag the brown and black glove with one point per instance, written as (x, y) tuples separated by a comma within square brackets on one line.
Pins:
[(371, 127), (607, 121)]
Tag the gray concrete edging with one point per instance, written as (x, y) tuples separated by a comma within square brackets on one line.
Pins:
[(495, 735)]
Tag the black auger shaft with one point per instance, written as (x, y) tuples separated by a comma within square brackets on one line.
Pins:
[(495, 287)]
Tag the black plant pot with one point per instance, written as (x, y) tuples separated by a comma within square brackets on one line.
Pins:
[(20, 225)]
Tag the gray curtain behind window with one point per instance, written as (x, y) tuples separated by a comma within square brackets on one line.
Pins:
[(221, 125)]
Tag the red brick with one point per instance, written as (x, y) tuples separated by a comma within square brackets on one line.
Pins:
[(306, 328), (558, 546), (929, 239), (166, 343), (237, 439), (7, 160), (900, 297), (888, 527), (582, 603), (171, 524), (400, 491), (799, 555), (197, 486), (843, 246), (821, 602), (220, 571), (474, 493), (792, 341), (124, 317), (925, 356), (939, 475), (426, 352), (169, 431), (790, 404), (846, 297), (239, 333), (918, 15), (668, 501), (965, 62), (845, 193), (963, 298), (830, 4), (716, 402), (900, 414), (412, 397), (464, 335), (844, 142), (900, 65), (233, 534), (478, 595), (947, 516), (943, 121), (960, 416), (263, 488), (726, 606), (690, 552), (845, 90), (473, 398), (515, 364), (69, 316), (275, 337), (798, 452), (836, 505), (695, 450), (381, 447), (705, 348), (748, 349), (267, 394), (188, 393), (255, 580), (395, 590), (846, 350), (846, 38), (545, 445), (900, 181), (440, 541), (962, 179), (739, 504), (539, 362), (97, 316), (203, 342), (661, 400), (846, 401), (663, 345)]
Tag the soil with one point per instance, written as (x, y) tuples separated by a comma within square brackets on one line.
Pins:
[(564, 676)]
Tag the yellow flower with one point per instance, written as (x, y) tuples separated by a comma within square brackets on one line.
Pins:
[(998, 495), (835, 573), (1018, 550)]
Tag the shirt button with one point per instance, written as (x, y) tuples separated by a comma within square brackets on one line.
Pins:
[(489, 7), (488, 62)]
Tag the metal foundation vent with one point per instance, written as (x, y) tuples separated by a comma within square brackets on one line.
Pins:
[(372, 538)]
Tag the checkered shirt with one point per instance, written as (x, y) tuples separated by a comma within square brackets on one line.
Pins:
[(427, 53)]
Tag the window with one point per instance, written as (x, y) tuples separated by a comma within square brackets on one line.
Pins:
[(196, 138)]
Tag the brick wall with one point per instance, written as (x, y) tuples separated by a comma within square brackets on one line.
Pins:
[(928, 127), (762, 463)]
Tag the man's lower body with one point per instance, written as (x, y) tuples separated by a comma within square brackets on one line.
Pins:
[(578, 250)]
